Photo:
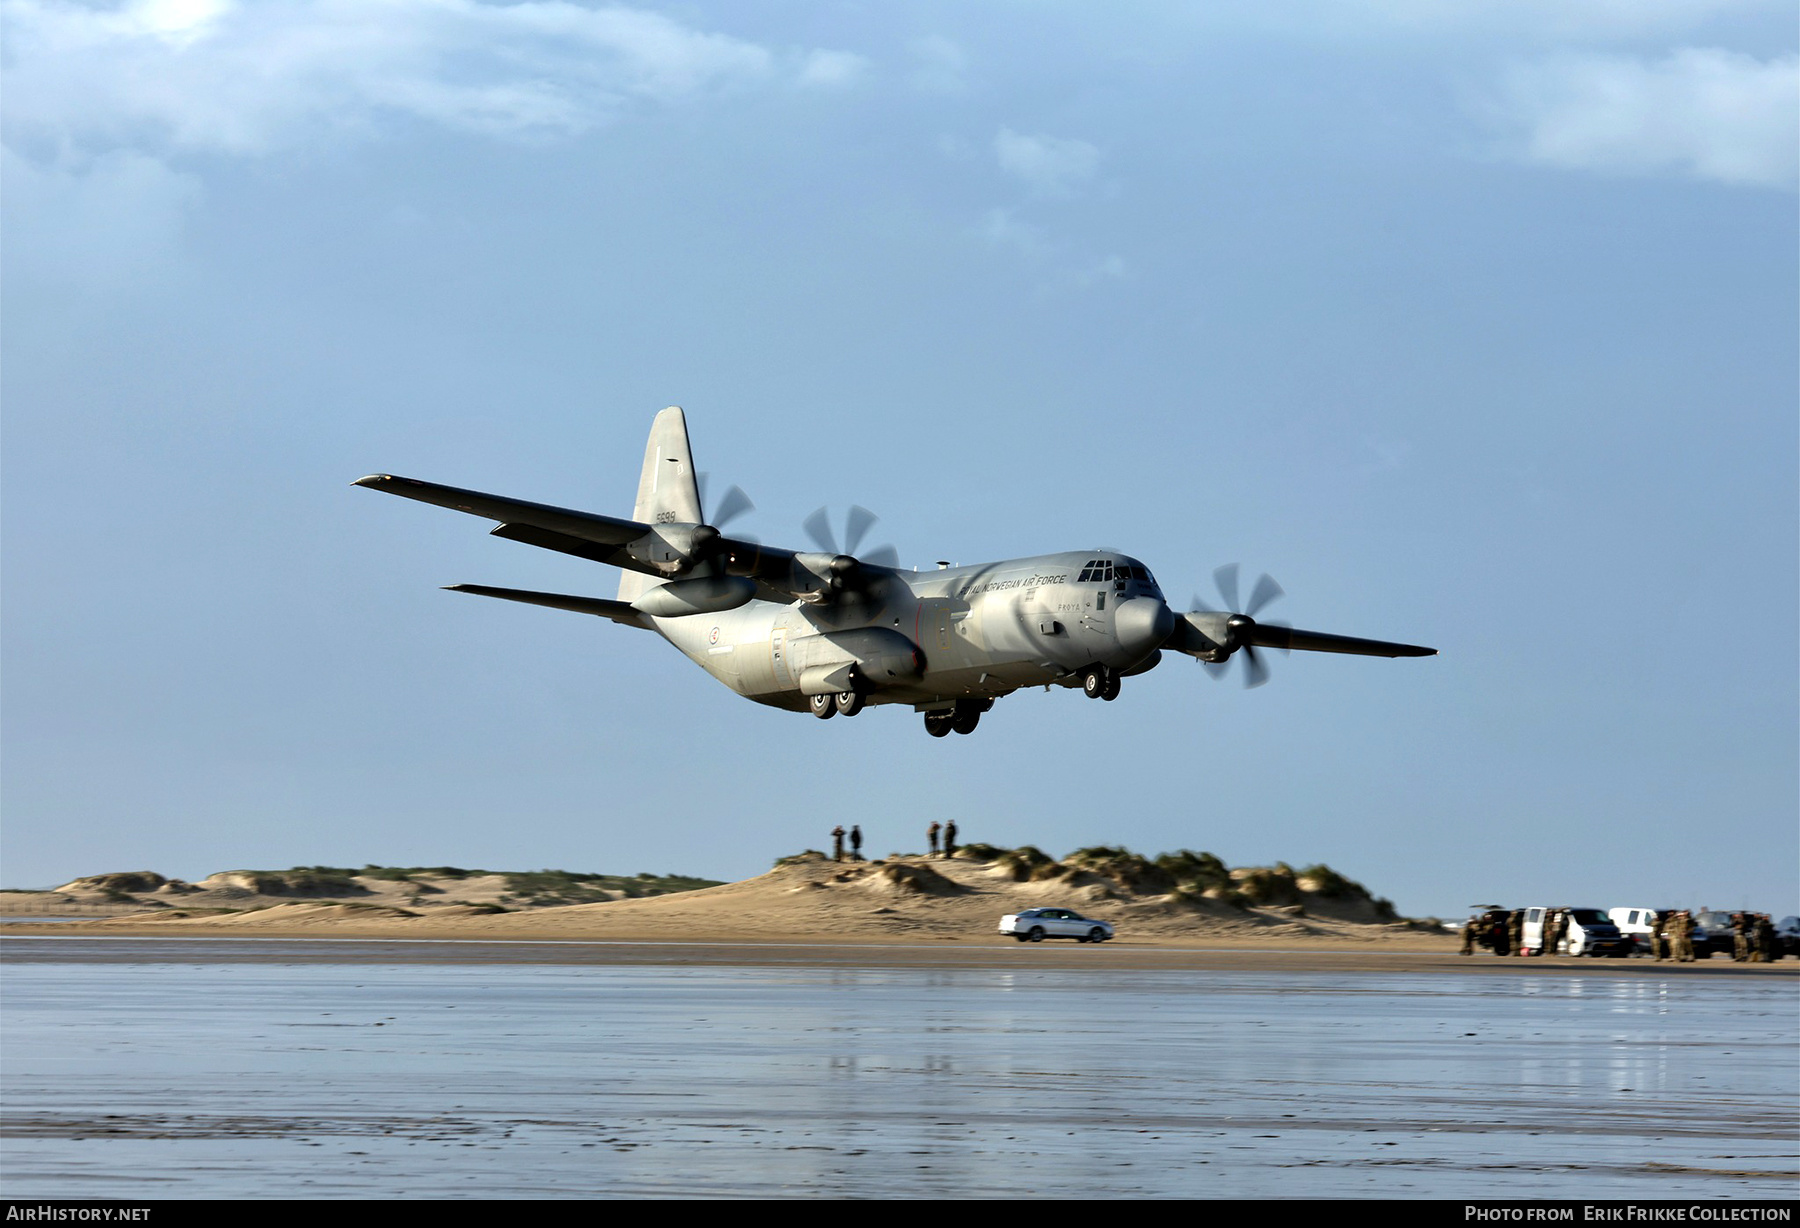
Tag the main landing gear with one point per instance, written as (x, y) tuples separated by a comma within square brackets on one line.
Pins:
[(1098, 682), (827, 706), (962, 718)]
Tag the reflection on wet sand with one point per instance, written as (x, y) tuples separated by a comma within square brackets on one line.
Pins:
[(152, 1073)]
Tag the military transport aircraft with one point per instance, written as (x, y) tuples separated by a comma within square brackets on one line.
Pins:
[(828, 632)]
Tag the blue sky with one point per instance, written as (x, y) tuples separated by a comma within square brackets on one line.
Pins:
[(1474, 325)]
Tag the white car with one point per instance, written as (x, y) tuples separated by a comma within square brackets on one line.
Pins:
[(1037, 924)]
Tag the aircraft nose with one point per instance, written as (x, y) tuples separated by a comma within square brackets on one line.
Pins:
[(1142, 624)]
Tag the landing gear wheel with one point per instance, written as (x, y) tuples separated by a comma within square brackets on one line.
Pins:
[(1036, 934), (823, 706), (937, 724), (849, 703), (1110, 690), (1093, 682), (966, 718)]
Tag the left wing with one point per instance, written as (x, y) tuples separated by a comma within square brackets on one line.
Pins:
[(618, 611)]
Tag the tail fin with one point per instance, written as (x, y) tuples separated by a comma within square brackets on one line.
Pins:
[(666, 493)]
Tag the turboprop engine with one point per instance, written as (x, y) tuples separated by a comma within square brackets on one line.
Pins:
[(675, 548), (701, 595), (861, 660)]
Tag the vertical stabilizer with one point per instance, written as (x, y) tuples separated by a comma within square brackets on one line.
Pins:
[(667, 493)]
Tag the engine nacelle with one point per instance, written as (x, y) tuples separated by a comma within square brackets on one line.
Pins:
[(674, 548), (864, 659), (1202, 634), (701, 595)]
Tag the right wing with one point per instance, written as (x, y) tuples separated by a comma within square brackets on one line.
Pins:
[(667, 551)]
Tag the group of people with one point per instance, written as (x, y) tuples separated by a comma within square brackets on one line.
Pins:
[(1502, 931), (1671, 936), (1753, 939), (932, 833)]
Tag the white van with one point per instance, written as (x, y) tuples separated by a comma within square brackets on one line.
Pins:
[(1637, 924), (1590, 932)]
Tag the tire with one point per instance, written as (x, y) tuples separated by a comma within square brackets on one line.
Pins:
[(1110, 691), (823, 706), (1096, 935), (849, 703), (966, 719), (1036, 934), (1020, 937), (1093, 683), (936, 725)]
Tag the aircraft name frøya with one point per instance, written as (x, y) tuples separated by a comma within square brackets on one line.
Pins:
[(830, 632)]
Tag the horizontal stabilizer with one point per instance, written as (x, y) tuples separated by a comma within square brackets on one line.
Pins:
[(618, 611)]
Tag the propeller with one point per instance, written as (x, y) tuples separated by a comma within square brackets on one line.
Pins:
[(857, 523), (732, 504), (1238, 626)]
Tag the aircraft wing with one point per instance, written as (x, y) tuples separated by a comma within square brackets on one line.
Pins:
[(1201, 632), (1267, 635), (561, 521), (665, 551), (618, 611)]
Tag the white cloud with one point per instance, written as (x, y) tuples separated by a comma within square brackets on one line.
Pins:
[(1702, 112), (941, 65), (1049, 165), (1336, 21), (1003, 228), (219, 76), (832, 68)]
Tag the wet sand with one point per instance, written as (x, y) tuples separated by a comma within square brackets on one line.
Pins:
[(232, 1067), (125, 945)]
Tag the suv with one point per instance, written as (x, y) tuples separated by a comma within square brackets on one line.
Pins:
[(1712, 934), (1037, 924)]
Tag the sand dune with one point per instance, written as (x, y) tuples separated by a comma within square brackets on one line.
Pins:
[(806, 898)]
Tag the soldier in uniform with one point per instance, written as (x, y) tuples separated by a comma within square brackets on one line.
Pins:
[(1468, 933), (1659, 934), (1684, 937), (1556, 924), (1515, 931), (950, 838), (1763, 939), (856, 842), (931, 834), (1740, 937), (837, 842)]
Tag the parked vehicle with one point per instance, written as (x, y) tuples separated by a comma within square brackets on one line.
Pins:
[(1787, 937), (1590, 932), (1637, 924), (1037, 924), (1713, 934)]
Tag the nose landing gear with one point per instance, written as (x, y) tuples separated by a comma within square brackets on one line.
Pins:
[(1098, 682)]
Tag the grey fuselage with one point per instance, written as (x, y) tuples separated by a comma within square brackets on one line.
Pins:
[(970, 632)]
